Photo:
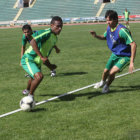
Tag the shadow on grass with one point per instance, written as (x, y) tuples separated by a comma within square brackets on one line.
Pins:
[(93, 94), (38, 109), (67, 74), (71, 73), (123, 89), (72, 97)]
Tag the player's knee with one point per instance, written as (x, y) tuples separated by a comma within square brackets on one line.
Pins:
[(39, 76), (112, 74), (106, 71)]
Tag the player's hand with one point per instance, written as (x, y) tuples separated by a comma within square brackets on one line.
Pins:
[(131, 67), (44, 59), (93, 33)]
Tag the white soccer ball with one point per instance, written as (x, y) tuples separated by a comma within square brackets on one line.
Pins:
[(27, 103)]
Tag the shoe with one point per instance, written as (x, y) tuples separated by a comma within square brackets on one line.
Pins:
[(105, 89), (100, 84), (30, 95), (53, 73), (24, 92), (27, 75)]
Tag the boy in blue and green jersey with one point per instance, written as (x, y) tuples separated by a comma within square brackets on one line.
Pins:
[(122, 46), (41, 44)]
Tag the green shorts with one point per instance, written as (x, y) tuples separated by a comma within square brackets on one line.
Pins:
[(30, 66), (126, 19), (119, 61)]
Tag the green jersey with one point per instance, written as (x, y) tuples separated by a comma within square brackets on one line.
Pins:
[(45, 40), (126, 14)]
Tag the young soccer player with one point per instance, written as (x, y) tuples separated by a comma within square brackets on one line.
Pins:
[(126, 16), (42, 42), (123, 47), (27, 36)]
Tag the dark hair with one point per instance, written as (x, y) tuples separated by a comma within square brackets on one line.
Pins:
[(111, 14), (56, 18), (26, 26)]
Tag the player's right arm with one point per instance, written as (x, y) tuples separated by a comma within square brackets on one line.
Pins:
[(100, 37), (22, 50), (35, 47)]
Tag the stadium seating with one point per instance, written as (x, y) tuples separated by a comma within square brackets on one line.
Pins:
[(7, 11), (44, 9), (120, 5), (64, 8)]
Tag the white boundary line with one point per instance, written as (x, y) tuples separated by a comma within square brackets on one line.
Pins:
[(56, 97)]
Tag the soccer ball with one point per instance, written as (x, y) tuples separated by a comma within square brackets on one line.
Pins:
[(27, 103)]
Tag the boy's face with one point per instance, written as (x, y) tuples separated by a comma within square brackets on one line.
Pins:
[(56, 27), (112, 23), (27, 32)]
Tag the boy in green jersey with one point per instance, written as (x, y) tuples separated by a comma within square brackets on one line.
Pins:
[(42, 42), (27, 35), (126, 16)]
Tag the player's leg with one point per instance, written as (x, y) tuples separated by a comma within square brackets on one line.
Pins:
[(52, 68), (35, 82), (111, 78), (35, 73), (103, 81), (26, 91), (120, 64), (106, 71)]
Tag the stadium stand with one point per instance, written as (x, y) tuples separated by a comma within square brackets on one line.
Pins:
[(64, 8), (7, 11), (67, 9), (120, 5)]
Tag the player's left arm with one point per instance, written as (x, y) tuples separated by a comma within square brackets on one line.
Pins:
[(126, 35)]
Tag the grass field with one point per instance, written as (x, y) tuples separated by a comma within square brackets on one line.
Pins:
[(85, 115)]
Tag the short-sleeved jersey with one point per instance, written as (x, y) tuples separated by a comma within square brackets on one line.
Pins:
[(45, 40), (119, 40), (126, 14)]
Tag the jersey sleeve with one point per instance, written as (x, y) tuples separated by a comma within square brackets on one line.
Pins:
[(125, 34), (24, 41), (42, 36)]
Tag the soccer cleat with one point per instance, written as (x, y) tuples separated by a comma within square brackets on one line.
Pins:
[(24, 92), (30, 95), (100, 84), (105, 89), (27, 75), (53, 73)]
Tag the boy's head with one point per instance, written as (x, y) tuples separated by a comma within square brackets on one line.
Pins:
[(111, 18), (27, 30), (56, 25)]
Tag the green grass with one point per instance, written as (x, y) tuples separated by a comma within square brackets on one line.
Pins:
[(85, 115)]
